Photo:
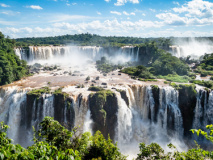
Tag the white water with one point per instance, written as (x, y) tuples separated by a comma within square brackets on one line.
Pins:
[(10, 109), (203, 112), (193, 48), (72, 54), (137, 123), (88, 122)]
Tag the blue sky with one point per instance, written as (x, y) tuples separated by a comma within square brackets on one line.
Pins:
[(138, 18)]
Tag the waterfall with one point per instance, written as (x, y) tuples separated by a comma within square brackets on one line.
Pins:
[(11, 101), (50, 52), (37, 54), (153, 115), (169, 112), (124, 131), (88, 122), (203, 110), (48, 109), (137, 56)]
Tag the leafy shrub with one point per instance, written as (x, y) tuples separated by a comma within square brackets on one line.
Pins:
[(176, 78), (39, 92), (11, 67), (88, 78), (95, 88)]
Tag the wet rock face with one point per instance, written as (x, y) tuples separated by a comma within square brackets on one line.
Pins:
[(33, 111), (29, 116), (104, 110), (59, 103), (156, 93), (187, 103), (124, 97)]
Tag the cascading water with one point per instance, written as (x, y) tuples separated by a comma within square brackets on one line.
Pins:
[(144, 119), (42, 53), (11, 101), (124, 132), (143, 122), (204, 109), (88, 122)]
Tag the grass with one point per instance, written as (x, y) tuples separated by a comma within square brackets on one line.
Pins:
[(175, 78), (208, 84), (39, 92)]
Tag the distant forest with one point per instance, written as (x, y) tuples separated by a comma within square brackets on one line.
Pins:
[(104, 41), (88, 39)]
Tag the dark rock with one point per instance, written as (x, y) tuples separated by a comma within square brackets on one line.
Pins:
[(104, 108)]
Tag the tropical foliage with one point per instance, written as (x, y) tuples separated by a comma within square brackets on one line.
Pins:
[(53, 141), (11, 67)]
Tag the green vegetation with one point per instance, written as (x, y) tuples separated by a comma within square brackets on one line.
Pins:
[(168, 64), (80, 86), (139, 71), (207, 62), (53, 141), (154, 151), (59, 92), (102, 95), (91, 40), (203, 72), (176, 78), (11, 67), (95, 88), (206, 65), (105, 66), (208, 84), (47, 90), (39, 92), (88, 78), (162, 65), (189, 87)]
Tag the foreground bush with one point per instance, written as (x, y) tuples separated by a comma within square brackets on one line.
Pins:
[(53, 141)]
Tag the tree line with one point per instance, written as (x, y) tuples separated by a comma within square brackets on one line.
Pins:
[(11, 67)]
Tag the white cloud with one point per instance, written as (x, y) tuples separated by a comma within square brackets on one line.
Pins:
[(143, 14), (4, 5), (152, 10), (176, 3), (99, 13), (127, 14), (35, 7), (10, 13), (74, 4), (122, 2), (66, 17), (107, 0), (115, 12), (196, 8), (172, 19), (195, 12), (106, 27)]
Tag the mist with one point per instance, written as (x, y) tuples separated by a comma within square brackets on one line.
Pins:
[(75, 55), (191, 47)]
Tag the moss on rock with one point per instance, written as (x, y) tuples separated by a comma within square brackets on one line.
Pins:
[(104, 107)]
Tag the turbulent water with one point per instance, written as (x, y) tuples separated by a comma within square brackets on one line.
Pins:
[(143, 120), (192, 48), (146, 114), (42, 53)]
